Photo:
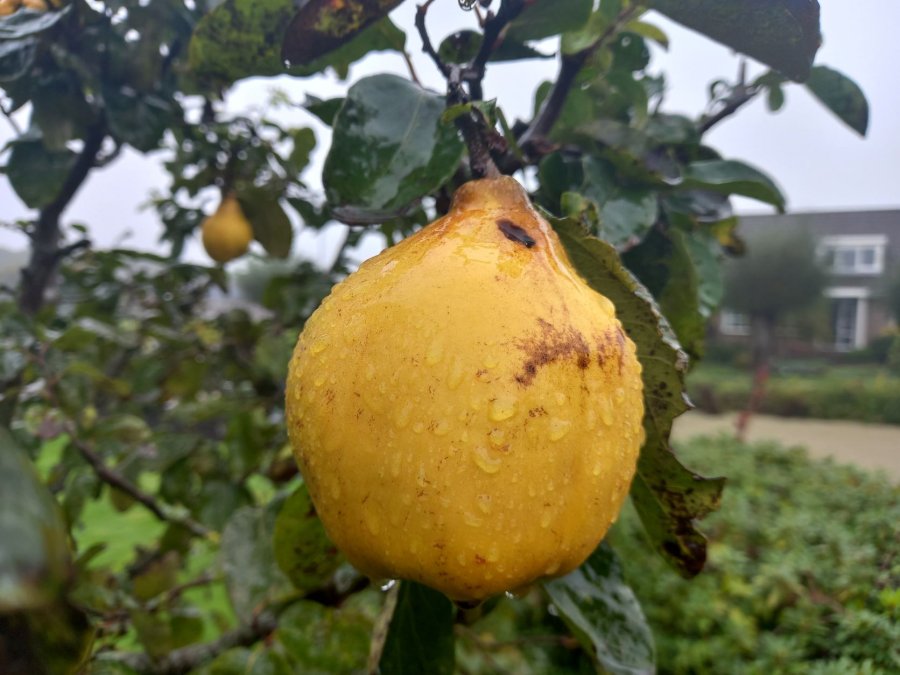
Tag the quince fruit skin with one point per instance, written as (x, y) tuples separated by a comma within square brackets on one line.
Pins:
[(465, 410), (227, 233)]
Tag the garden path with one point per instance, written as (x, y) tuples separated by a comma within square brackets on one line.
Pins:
[(870, 446)]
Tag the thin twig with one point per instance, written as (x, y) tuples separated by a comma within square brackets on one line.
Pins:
[(116, 480), (427, 47), (493, 26), (187, 658), (410, 67), (733, 103), (570, 66)]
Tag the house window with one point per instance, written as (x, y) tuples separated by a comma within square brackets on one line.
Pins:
[(734, 323), (853, 254)]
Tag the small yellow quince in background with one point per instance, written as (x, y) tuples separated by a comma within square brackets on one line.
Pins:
[(466, 411), (227, 233)]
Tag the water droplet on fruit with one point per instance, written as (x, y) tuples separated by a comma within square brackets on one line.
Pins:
[(490, 361), (434, 354), (546, 517), (442, 428), (620, 394), (502, 409), (484, 503), (559, 428), (455, 377), (402, 418), (372, 522), (485, 461), (418, 427), (370, 372), (497, 437), (318, 346), (560, 398), (472, 520)]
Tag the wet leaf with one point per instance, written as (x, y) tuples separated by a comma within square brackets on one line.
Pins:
[(545, 18), (842, 96), (137, 119), (420, 634), (16, 57), (783, 34), (389, 149), (323, 640), (34, 557), (732, 177), (37, 174), (248, 561), (302, 549), (668, 496), (24, 23), (604, 615), (322, 26)]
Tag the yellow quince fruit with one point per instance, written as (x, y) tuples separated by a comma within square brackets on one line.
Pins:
[(227, 233), (465, 410)]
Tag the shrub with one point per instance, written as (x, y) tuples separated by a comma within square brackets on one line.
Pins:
[(803, 571)]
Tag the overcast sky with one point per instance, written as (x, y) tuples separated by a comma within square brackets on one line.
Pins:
[(819, 163)]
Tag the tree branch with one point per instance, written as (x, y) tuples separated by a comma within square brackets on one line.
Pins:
[(474, 132), (741, 94), (187, 658), (427, 47), (493, 26), (116, 480), (45, 236), (570, 66)]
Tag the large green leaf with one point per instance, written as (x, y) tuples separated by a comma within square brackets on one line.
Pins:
[(668, 496), (271, 226), (842, 96), (729, 176), (783, 34), (389, 149), (322, 26), (420, 635), (321, 640), (16, 57), (239, 38), (24, 23), (604, 615), (34, 557), (545, 18), (36, 173), (248, 561), (137, 119), (302, 549)]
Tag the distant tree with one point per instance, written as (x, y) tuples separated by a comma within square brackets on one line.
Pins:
[(779, 274), (892, 292)]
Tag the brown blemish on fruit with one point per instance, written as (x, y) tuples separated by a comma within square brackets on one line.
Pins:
[(551, 344), (611, 343), (515, 233)]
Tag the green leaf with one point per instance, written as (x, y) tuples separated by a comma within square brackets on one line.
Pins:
[(37, 174), (322, 640), (237, 39), (842, 96), (302, 549), (322, 26), (24, 23), (248, 561), (546, 18), (626, 214), (420, 635), (16, 57), (34, 557), (649, 31), (271, 226), (304, 142), (324, 109), (137, 119), (668, 496), (783, 34), (732, 177), (389, 149), (604, 615), (462, 46)]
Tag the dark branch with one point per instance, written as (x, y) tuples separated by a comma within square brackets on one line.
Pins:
[(570, 66), (116, 480), (187, 658), (427, 47), (738, 99), (45, 236), (493, 27), (473, 128)]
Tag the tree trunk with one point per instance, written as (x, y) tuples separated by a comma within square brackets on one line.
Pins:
[(45, 237)]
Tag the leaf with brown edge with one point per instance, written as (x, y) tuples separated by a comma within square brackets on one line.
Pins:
[(668, 497), (321, 26)]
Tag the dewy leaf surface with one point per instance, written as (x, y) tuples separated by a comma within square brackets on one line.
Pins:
[(389, 149), (783, 34), (668, 496), (321, 26), (604, 614), (420, 635)]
